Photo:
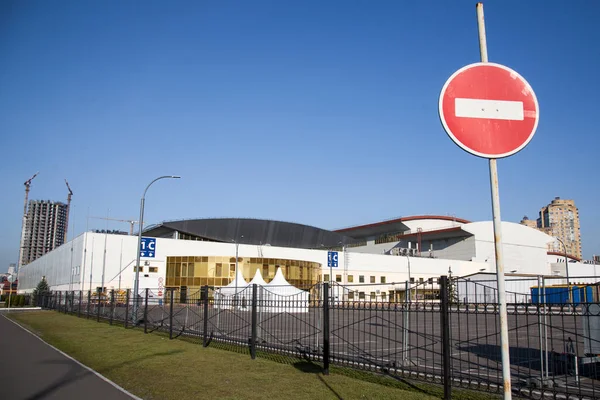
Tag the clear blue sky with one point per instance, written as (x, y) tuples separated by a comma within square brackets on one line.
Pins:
[(317, 112)]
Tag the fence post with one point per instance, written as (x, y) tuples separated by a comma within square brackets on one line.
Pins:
[(112, 305), (171, 296), (73, 302), (89, 296), (325, 328), (205, 338), (445, 325), (127, 308), (79, 305), (146, 311), (99, 291), (254, 322), (59, 300)]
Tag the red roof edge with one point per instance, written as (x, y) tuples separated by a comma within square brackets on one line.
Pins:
[(555, 253), (401, 219)]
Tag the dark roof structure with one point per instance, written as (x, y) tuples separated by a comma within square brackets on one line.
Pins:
[(252, 231)]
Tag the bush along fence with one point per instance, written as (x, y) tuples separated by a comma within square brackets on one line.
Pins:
[(16, 300), (444, 331)]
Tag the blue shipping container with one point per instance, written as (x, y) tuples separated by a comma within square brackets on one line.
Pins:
[(560, 294)]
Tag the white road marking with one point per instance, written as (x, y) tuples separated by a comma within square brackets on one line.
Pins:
[(489, 109)]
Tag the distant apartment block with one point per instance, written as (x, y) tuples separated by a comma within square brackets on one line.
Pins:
[(44, 230), (560, 219)]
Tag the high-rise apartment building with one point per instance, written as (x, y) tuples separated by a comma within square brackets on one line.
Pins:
[(528, 222), (44, 230), (560, 219)]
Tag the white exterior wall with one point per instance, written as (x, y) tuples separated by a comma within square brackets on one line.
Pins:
[(524, 248), (87, 264), (120, 258), (57, 266)]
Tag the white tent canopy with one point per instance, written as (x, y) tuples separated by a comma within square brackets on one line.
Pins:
[(225, 296), (277, 296), (258, 279)]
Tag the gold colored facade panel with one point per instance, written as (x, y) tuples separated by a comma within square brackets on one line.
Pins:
[(197, 271)]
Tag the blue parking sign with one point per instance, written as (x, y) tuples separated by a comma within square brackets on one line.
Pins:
[(332, 258), (148, 247)]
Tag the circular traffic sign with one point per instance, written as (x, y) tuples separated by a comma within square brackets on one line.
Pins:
[(489, 110)]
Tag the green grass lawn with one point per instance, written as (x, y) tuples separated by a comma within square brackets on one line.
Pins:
[(154, 367)]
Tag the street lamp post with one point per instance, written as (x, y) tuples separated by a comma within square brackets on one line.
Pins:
[(136, 282), (566, 267), (236, 271), (409, 281)]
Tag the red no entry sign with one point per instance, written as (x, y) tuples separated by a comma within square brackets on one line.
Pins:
[(489, 110)]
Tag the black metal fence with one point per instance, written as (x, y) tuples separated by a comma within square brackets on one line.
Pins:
[(432, 331)]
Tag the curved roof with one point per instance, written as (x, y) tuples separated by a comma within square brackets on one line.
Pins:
[(392, 225), (252, 231)]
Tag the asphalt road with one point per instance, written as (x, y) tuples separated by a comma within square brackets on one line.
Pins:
[(32, 370)]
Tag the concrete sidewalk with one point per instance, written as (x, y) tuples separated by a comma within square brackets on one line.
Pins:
[(32, 370)]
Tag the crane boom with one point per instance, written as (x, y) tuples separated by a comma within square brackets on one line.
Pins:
[(129, 221), (28, 181), (24, 222)]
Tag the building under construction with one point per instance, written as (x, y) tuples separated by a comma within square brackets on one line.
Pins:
[(44, 230)]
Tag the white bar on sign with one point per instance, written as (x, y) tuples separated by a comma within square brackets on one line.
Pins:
[(489, 109)]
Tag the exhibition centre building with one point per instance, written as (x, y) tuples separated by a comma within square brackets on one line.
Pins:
[(377, 258)]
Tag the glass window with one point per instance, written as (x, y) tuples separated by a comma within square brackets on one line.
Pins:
[(383, 295), (350, 278), (372, 279), (183, 269), (351, 296), (361, 279), (326, 278), (338, 278), (361, 295), (190, 269), (383, 279), (373, 296), (153, 269), (141, 269)]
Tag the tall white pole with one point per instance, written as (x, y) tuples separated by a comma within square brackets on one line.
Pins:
[(120, 265), (82, 275), (104, 255), (504, 345), (236, 274), (92, 264)]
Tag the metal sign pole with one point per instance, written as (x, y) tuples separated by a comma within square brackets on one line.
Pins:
[(497, 236)]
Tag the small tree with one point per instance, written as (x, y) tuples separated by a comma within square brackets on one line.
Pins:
[(41, 289), (452, 290)]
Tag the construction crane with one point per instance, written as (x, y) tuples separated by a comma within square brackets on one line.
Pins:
[(21, 249), (68, 209), (129, 221)]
